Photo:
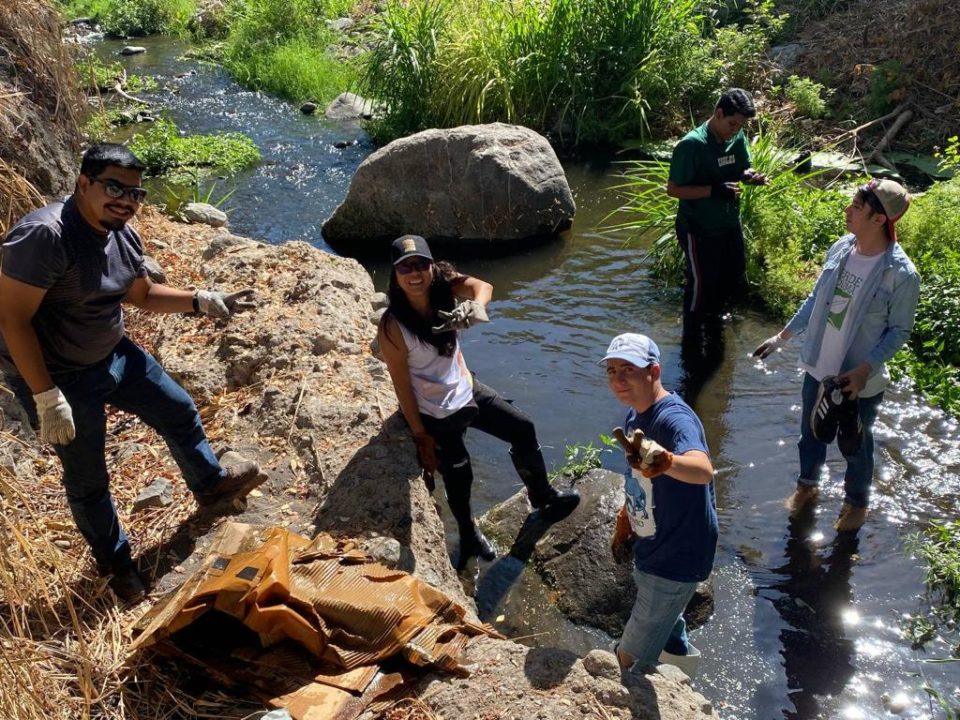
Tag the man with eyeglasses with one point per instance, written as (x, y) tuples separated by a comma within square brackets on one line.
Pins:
[(65, 271), (858, 315)]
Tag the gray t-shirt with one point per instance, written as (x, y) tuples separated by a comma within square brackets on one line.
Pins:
[(86, 276)]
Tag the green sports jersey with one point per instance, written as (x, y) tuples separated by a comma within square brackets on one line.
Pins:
[(700, 159)]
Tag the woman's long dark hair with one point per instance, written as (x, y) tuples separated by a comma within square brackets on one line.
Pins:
[(445, 277)]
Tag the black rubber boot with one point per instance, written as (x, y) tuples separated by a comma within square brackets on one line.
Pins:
[(553, 504), (458, 480)]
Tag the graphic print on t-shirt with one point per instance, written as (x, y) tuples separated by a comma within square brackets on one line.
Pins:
[(847, 286), (639, 492)]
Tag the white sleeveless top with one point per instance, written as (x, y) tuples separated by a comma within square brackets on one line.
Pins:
[(442, 385)]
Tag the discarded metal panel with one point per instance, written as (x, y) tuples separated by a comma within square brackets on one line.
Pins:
[(306, 624)]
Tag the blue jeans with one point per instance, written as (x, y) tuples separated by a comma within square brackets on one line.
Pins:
[(131, 380), (813, 453), (656, 622)]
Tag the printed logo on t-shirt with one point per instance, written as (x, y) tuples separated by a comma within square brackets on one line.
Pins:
[(639, 492), (846, 288), (725, 160)]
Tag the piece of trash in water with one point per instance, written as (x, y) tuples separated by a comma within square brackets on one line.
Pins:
[(501, 618)]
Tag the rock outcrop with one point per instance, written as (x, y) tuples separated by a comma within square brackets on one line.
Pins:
[(476, 184), (573, 557)]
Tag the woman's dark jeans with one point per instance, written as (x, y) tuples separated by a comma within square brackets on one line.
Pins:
[(494, 416)]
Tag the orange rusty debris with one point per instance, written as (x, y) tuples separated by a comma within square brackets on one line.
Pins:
[(307, 624)]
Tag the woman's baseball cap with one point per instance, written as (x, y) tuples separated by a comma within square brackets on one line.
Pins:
[(409, 246)]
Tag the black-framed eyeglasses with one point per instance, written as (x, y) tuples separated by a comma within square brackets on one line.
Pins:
[(117, 190), (416, 265)]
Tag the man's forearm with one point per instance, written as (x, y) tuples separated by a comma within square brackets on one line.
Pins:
[(164, 299), (24, 347)]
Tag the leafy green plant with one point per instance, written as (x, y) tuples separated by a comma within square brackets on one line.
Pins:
[(949, 156), (162, 148), (195, 190), (808, 96), (581, 459)]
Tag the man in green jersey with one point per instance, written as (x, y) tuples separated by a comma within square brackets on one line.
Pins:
[(707, 168)]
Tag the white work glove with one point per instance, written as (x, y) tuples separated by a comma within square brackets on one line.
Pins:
[(769, 346), (56, 417), (467, 313), (223, 305)]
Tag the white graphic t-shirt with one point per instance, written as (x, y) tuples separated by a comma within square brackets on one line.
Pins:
[(639, 491), (845, 298)]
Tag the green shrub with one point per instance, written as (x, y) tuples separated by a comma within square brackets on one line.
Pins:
[(808, 96), (162, 149), (126, 18), (949, 156), (280, 47), (584, 70)]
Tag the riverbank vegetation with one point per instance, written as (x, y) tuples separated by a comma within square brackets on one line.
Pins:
[(162, 149), (788, 226)]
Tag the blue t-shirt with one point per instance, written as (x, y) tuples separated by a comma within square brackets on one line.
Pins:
[(675, 522)]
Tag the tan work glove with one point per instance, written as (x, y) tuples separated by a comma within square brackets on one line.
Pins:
[(467, 313), (644, 454), (56, 417), (622, 540), (223, 305)]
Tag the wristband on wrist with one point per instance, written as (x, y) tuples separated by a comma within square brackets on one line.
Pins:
[(196, 304)]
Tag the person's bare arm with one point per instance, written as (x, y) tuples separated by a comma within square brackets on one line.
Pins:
[(471, 288), (153, 297), (688, 192), (692, 467), (18, 304)]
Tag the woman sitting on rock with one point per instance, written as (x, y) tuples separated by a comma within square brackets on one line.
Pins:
[(430, 302)]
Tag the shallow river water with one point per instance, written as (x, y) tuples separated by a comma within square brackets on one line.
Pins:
[(806, 625)]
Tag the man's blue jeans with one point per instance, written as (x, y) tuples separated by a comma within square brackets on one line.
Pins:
[(131, 380), (813, 453), (656, 622)]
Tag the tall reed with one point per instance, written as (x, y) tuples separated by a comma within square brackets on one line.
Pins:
[(583, 70)]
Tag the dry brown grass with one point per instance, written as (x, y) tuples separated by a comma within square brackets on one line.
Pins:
[(36, 71), (38, 63)]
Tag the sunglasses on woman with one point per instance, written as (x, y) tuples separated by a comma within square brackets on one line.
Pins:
[(409, 266), (116, 190)]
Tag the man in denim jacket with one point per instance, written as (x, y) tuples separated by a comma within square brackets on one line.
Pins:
[(860, 312)]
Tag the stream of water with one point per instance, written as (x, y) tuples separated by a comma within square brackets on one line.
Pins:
[(806, 625)]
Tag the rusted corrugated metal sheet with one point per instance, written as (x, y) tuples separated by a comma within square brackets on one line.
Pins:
[(306, 623)]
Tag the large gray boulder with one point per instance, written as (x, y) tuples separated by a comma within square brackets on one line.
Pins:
[(475, 183), (573, 556)]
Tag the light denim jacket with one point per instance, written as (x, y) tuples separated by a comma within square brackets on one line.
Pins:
[(883, 321)]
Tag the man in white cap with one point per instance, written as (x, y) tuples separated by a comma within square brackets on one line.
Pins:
[(669, 519), (859, 314)]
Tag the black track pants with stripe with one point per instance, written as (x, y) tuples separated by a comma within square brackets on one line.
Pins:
[(715, 270)]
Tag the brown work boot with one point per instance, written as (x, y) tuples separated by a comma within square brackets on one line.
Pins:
[(851, 518), (241, 477), (802, 496)]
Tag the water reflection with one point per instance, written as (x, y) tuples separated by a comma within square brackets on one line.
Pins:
[(812, 596)]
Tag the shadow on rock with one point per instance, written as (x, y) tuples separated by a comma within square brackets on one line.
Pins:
[(546, 668)]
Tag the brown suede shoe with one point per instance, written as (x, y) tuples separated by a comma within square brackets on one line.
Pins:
[(851, 518), (802, 496), (241, 477)]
